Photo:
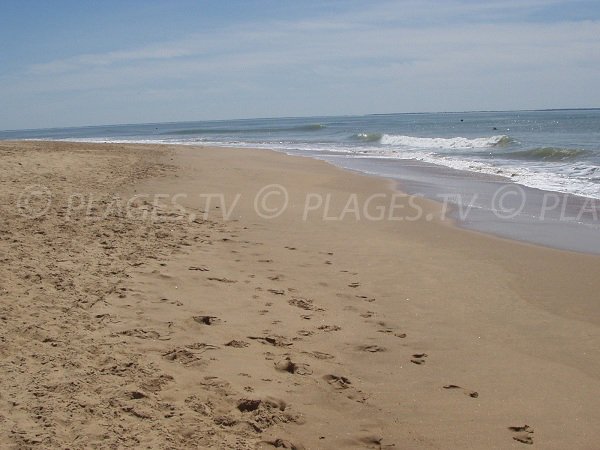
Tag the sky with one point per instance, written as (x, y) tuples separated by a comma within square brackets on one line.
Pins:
[(83, 62)]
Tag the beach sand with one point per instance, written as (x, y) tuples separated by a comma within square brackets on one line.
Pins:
[(135, 314)]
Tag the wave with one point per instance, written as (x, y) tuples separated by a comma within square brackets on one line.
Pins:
[(311, 127), (367, 137), (192, 131), (548, 154), (445, 143)]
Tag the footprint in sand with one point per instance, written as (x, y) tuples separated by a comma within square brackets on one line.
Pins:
[(276, 341), (418, 358), (354, 284), (281, 443), (304, 303), (161, 275), (329, 328), (523, 434), (138, 412), (374, 441), (182, 356), (156, 384), (365, 298), (287, 365), (305, 333), (237, 344), (170, 302), (371, 348), (201, 347), (277, 291), (319, 355), (337, 381), (221, 280), (216, 384), (199, 268), (343, 384), (249, 405), (142, 334), (206, 320), (472, 394), (389, 330)]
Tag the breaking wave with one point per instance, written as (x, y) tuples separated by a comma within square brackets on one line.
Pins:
[(367, 137), (549, 154), (445, 143)]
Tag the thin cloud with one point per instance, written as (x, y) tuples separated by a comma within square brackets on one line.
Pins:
[(397, 56)]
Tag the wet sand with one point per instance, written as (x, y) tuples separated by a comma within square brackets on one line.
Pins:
[(493, 204), (154, 319)]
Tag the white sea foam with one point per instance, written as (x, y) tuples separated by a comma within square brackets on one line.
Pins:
[(546, 179), (441, 143)]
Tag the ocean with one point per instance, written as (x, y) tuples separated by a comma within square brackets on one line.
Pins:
[(556, 150), (437, 155)]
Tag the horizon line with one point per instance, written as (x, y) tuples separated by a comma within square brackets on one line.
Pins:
[(303, 117)]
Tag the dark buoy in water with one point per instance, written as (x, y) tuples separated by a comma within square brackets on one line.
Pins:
[(494, 128), (462, 120)]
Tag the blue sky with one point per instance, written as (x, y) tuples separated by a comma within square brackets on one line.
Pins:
[(69, 63)]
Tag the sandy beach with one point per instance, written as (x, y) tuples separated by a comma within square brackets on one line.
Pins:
[(190, 297)]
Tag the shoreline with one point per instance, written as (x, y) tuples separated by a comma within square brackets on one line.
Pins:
[(210, 325), (493, 205), (480, 202)]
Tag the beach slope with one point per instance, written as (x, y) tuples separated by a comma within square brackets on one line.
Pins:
[(181, 297)]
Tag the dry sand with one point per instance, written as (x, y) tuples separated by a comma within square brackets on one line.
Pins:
[(136, 326)]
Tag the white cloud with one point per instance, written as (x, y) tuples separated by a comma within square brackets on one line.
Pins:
[(379, 60)]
